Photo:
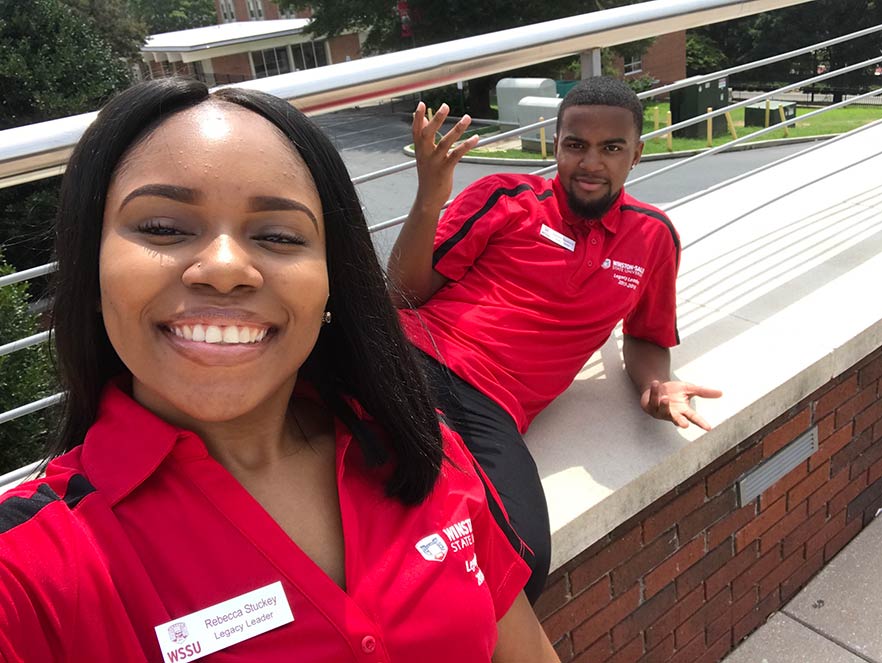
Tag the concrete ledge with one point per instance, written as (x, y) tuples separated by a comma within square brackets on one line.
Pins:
[(777, 295)]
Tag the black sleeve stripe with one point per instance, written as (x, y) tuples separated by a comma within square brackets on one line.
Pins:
[(655, 214), (16, 511), (454, 239), (502, 521)]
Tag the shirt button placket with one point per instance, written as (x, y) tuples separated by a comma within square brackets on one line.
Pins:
[(591, 257)]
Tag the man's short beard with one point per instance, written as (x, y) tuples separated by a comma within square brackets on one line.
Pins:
[(591, 210)]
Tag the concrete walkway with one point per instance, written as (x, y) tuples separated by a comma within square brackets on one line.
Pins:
[(837, 618)]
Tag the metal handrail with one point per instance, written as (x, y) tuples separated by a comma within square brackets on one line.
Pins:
[(756, 64), (767, 166), (30, 408), (41, 150), (23, 343), (743, 139), (391, 170), (27, 274), (765, 95), (693, 80), (31, 469)]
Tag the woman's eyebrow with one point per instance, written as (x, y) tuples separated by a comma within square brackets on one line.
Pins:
[(179, 193), (277, 203)]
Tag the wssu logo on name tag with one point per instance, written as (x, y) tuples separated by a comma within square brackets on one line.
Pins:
[(224, 624)]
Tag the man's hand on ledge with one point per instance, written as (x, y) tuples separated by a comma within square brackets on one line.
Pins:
[(671, 401)]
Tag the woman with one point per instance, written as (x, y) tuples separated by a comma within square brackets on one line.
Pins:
[(251, 467)]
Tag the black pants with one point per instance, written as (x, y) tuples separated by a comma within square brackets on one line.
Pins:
[(493, 438)]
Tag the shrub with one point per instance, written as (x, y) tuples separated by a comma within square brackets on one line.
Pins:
[(25, 376)]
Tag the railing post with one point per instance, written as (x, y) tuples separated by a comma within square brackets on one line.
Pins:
[(784, 120), (542, 149), (710, 128), (590, 63), (731, 124)]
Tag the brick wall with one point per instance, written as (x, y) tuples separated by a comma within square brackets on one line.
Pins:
[(692, 575), (232, 68), (343, 46), (666, 58)]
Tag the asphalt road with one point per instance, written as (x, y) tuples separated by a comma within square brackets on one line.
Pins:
[(372, 138)]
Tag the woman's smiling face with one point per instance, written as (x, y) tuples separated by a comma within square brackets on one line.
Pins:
[(213, 272)]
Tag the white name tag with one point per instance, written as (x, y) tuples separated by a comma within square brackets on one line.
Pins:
[(224, 624), (558, 238)]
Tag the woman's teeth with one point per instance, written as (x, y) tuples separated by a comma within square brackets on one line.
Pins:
[(217, 334)]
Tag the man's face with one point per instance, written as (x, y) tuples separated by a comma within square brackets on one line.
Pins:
[(595, 148)]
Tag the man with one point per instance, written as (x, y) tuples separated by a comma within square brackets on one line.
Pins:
[(524, 278)]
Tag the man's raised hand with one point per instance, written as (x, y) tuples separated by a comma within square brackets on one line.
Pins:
[(436, 161)]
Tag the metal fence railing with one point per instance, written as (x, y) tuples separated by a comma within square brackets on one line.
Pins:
[(37, 151)]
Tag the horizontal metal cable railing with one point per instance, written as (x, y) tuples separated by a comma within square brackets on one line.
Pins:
[(28, 153), (40, 150)]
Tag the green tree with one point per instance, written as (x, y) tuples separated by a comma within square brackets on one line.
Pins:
[(703, 55), (53, 63), (170, 15), (787, 29), (24, 376), (115, 22)]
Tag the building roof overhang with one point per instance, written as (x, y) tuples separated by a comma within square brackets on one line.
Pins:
[(224, 39)]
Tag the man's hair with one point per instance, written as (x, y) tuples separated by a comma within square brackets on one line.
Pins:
[(603, 91), (364, 354)]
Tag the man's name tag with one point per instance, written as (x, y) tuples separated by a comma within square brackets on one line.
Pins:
[(224, 624), (558, 238)]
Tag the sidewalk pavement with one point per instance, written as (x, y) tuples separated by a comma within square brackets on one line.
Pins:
[(837, 618)]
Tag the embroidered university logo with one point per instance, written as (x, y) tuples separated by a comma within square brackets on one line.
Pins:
[(607, 263), (178, 632), (432, 547), (460, 535), (626, 275)]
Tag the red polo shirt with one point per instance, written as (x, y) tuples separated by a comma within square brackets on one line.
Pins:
[(535, 290), (139, 526)]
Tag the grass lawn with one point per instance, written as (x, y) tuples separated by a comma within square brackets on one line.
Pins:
[(835, 121)]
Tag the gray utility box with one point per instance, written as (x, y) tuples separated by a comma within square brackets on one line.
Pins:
[(530, 109), (755, 114), (692, 101), (510, 91)]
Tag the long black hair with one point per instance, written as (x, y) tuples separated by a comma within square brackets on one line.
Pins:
[(362, 353)]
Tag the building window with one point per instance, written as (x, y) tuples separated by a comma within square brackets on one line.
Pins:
[(287, 13), (635, 66), (255, 10), (271, 62), (309, 55), (228, 12)]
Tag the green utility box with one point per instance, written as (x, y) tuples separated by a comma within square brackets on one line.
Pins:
[(564, 86), (755, 114), (692, 101)]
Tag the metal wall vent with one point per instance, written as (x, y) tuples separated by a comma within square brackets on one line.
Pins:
[(760, 478)]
